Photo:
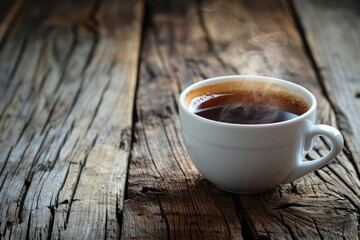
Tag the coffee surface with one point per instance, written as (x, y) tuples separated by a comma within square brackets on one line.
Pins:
[(248, 107)]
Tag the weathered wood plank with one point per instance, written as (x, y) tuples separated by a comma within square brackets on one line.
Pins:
[(272, 44), (167, 198), (288, 61), (189, 41), (68, 78), (332, 33)]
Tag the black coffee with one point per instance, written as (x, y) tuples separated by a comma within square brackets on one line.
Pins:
[(249, 108)]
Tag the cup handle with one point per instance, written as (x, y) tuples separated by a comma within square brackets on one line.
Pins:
[(337, 141)]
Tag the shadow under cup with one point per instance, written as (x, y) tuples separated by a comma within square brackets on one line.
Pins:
[(250, 158)]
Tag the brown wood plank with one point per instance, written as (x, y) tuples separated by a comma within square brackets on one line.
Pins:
[(167, 198), (332, 32), (188, 41), (68, 78), (300, 209)]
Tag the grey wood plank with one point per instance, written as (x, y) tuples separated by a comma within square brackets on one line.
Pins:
[(68, 73)]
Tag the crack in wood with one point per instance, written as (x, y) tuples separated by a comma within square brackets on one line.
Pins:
[(51, 112), (294, 189), (51, 221), (195, 210), (82, 166), (247, 231), (149, 150), (164, 216), (74, 146), (152, 190), (105, 89), (28, 227), (317, 229), (119, 212), (39, 150), (291, 205), (43, 80), (24, 152), (172, 148), (126, 139), (75, 99), (22, 197), (227, 225), (292, 234)]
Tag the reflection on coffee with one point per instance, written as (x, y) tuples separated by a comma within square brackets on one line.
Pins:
[(249, 107)]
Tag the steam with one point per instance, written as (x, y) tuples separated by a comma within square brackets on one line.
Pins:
[(249, 112), (220, 39), (247, 101)]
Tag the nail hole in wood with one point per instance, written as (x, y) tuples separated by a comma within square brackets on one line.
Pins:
[(357, 95)]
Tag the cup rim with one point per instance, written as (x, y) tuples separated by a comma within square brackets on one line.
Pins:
[(283, 82)]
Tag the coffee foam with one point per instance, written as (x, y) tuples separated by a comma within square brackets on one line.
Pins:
[(262, 93)]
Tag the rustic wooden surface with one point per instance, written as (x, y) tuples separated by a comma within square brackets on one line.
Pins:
[(90, 141), (68, 78)]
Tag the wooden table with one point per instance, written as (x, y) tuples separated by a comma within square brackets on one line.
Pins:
[(90, 141)]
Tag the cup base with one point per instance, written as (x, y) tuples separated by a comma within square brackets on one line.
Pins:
[(246, 192)]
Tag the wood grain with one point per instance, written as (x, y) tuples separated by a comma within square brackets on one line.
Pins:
[(332, 41), (297, 209), (72, 116), (167, 198), (68, 78), (189, 41)]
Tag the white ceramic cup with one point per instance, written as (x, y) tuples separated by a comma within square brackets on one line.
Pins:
[(252, 158)]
